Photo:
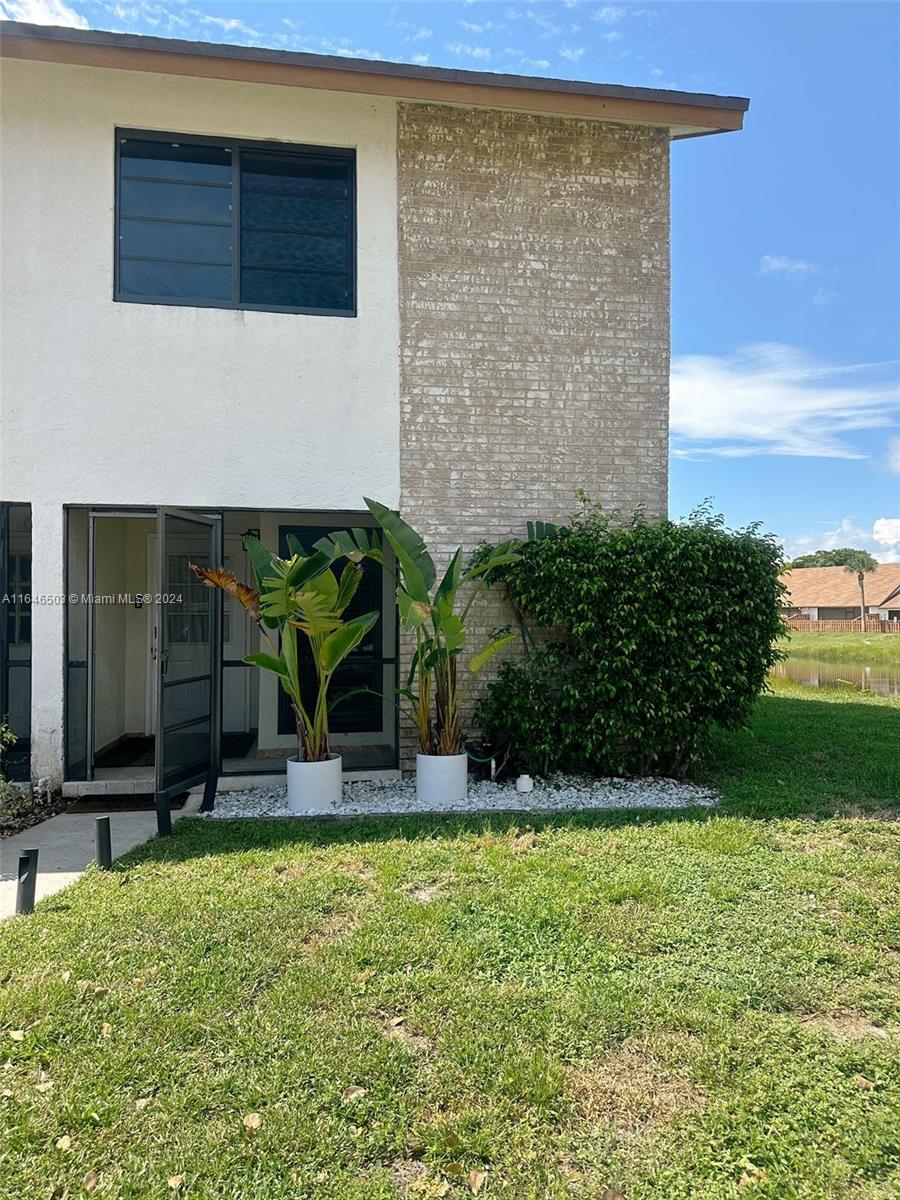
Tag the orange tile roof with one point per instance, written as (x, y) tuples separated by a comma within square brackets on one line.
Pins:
[(834, 587)]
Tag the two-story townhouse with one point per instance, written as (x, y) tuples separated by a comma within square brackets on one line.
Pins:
[(242, 289)]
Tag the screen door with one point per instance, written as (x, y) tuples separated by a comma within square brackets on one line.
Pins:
[(188, 661)]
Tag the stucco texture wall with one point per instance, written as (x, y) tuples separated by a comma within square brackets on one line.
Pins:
[(534, 321), (118, 403), (110, 403)]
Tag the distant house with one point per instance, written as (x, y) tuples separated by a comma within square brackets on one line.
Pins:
[(832, 593)]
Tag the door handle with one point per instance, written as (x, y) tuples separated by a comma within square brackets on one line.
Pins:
[(164, 663)]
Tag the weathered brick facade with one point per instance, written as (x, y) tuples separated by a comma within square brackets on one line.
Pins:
[(534, 321)]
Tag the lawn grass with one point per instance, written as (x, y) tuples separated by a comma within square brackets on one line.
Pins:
[(811, 751), (681, 1006), (868, 648)]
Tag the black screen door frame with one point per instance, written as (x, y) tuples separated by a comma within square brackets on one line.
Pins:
[(206, 772)]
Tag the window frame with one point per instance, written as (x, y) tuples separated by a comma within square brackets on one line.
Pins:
[(236, 145)]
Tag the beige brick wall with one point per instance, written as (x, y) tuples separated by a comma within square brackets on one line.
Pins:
[(534, 322)]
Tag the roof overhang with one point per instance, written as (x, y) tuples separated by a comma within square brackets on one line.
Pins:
[(684, 114)]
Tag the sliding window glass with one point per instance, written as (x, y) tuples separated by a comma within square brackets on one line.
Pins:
[(235, 225)]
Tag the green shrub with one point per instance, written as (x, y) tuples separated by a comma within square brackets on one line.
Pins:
[(643, 637)]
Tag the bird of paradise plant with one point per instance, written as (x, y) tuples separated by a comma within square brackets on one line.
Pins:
[(429, 610), (303, 593)]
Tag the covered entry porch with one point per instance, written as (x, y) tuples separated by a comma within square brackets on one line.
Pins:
[(157, 696)]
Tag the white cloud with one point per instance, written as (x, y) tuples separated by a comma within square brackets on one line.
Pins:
[(886, 532), (413, 33), (462, 50), (892, 458), (774, 399), (572, 55), (226, 24), (159, 18), (42, 12), (421, 60), (344, 48), (783, 264), (543, 21), (823, 296), (608, 14), (882, 540), (469, 27)]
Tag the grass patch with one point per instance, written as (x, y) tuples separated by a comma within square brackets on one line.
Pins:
[(813, 751), (679, 1006), (868, 648)]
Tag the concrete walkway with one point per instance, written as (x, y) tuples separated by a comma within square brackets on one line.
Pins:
[(65, 847)]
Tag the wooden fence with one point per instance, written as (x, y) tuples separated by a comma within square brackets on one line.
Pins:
[(873, 625)]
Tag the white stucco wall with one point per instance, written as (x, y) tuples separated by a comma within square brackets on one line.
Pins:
[(150, 404), (107, 403)]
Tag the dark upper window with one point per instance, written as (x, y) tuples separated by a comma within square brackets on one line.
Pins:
[(233, 224)]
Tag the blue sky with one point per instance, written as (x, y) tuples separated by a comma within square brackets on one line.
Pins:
[(785, 238)]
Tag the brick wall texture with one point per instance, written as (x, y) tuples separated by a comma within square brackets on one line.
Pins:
[(534, 323)]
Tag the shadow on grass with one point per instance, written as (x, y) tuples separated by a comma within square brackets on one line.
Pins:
[(196, 838), (794, 759)]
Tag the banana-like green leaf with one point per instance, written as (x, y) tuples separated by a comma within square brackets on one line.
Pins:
[(302, 570), (487, 653), (366, 540), (498, 559), (334, 701), (336, 544), (454, 632), (413, 614), (539, 530), (267, 661), (355, 544), (313, 614), (445, 596), (325, 585), (295, 546), (264, 564), (275, 598), (437, 655), (415, 562), (289, 657), (338, 645), (261, 560), (421, 654), (351, 578)]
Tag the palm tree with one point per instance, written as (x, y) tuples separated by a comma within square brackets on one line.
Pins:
[(858, 562)]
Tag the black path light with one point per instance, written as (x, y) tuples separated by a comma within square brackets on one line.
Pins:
[(103, 843), (27, 880)]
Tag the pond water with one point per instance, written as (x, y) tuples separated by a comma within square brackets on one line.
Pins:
[(877, 677)]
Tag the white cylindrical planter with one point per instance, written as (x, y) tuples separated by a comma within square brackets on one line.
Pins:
[(314, 787), (441, 778)]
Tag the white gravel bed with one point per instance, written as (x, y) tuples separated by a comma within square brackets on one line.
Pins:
[(561, 793)]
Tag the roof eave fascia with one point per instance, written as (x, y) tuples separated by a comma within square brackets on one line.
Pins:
[(683, 114)]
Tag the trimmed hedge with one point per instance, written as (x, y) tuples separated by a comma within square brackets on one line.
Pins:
[(648, 634)]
